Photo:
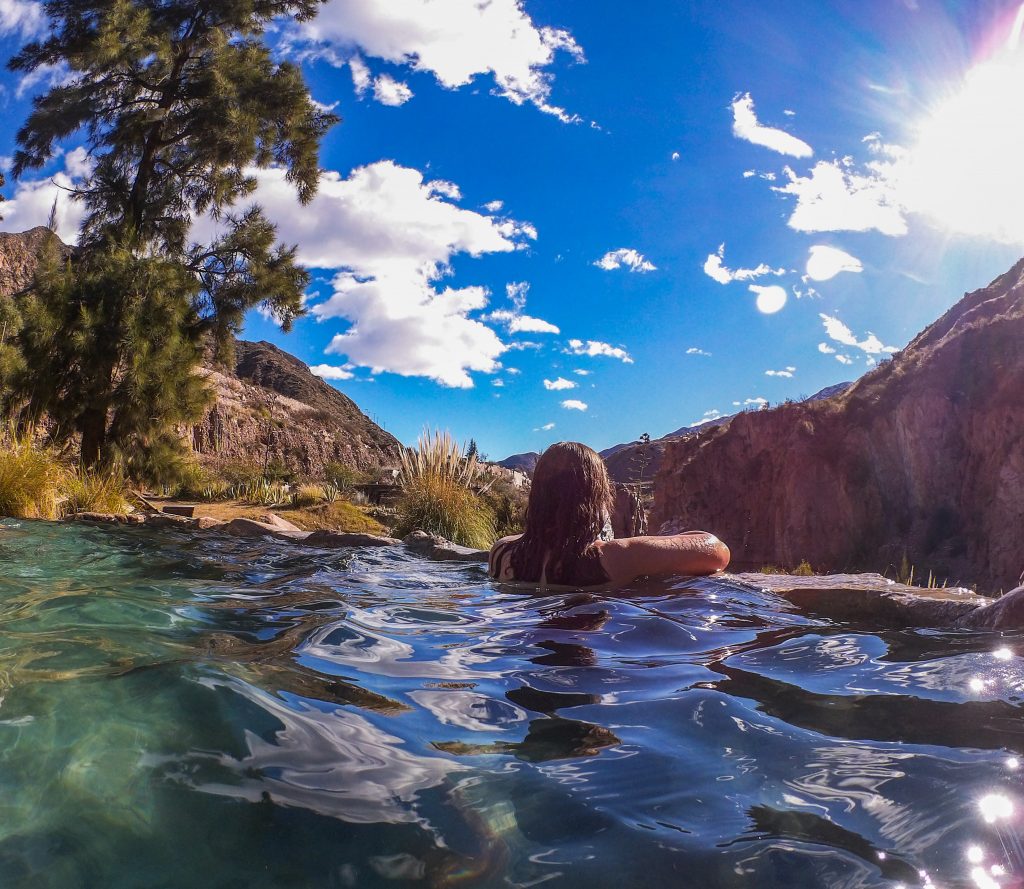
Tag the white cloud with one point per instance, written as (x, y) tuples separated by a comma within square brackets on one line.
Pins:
[(745, 125), (34, 198), (594, 348), (786, 372), (835, 197), (24, 18), (714, 267), (559, 383), (494, 206), (547, 427), (748, 402), (625, 258), (582, 373), (389, 91), (362, 79), (840, 333), (391, 236), (675, 155), (693, 350), (572, 404), (825, 262), (454, 40), (514, 318), (329, 372), (826, 349), (844, 359), (514, 371), (769, 299), (498, 382)]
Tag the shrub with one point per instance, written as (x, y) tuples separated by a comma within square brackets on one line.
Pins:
[(88, 491), (436, 495), (31, 481), (261, 493), (198, 483), (308, 495), (343, 477), (804, 569), (440, 505)]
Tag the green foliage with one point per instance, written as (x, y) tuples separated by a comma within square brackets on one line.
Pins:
[(106, 354), (261, 493), (36, 484), (198, 483), (804, 569), (277, 470), (440, 505), (89, 491), (176, 103), (305, 496), (508, 504), (345, 478), (436, 493)]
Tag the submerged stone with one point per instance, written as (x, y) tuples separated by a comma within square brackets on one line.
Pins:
[(433, 546)]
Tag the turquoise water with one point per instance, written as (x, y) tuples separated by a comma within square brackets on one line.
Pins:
[(230, 713)]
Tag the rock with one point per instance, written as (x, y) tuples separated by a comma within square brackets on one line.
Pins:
[(922, 459), (166, 520), (629, 519), (432, 546), (253, 528), (270, 407), (279, 523), (208, 523), (1004, 613), (332, 539), (104, 518), (871, 598)]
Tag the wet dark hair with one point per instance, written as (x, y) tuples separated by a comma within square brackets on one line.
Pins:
[(570, 501)]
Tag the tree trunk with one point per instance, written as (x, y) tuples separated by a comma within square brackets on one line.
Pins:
[(94, 436)]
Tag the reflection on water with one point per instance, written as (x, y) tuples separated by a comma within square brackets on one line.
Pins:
[(231, 713)]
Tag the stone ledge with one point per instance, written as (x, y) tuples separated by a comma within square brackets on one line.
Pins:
[(432, 546)]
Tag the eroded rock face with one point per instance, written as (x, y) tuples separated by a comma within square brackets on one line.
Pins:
[(923, 457), (270, 407), (19, 256)]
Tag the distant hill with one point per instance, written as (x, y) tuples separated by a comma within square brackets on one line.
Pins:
[(920, 462), (523, 462), (622, 460), (268, 403)]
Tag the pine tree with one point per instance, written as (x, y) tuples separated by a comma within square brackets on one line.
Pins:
[(177, 101), (471, 451), (641, 458)]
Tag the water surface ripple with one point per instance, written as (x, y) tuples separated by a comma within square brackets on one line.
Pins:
[(216, 712)]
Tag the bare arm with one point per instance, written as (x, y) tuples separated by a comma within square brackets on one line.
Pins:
[(695, 552)]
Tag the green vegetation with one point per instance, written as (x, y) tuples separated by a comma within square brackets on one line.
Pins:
[(36, 484), (437, 497), (804, 569), (175, 102)]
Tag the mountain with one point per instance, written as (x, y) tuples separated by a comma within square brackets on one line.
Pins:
[(268, 404), (623, 460), (920, 461), (523, 462)]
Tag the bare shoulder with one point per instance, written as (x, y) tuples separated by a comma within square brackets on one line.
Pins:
[(498, 565), (694, 552)]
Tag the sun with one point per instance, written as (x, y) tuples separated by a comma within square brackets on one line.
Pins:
[(965, 169)]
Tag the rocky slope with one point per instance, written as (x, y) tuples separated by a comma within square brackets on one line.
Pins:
[(523, 462), (923, 458), (268, 405), (623, 460)]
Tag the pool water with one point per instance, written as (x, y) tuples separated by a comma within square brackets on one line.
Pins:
[(215, 712)]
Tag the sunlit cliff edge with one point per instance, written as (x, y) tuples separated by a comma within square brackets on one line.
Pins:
[(920, 462)]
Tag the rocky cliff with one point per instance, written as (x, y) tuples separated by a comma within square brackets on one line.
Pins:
[(923, 458), (268, 405), (624, 461)]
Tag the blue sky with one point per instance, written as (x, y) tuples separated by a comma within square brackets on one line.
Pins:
[(519, 233)]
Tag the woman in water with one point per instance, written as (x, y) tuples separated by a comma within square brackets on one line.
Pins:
[(566, 539)]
